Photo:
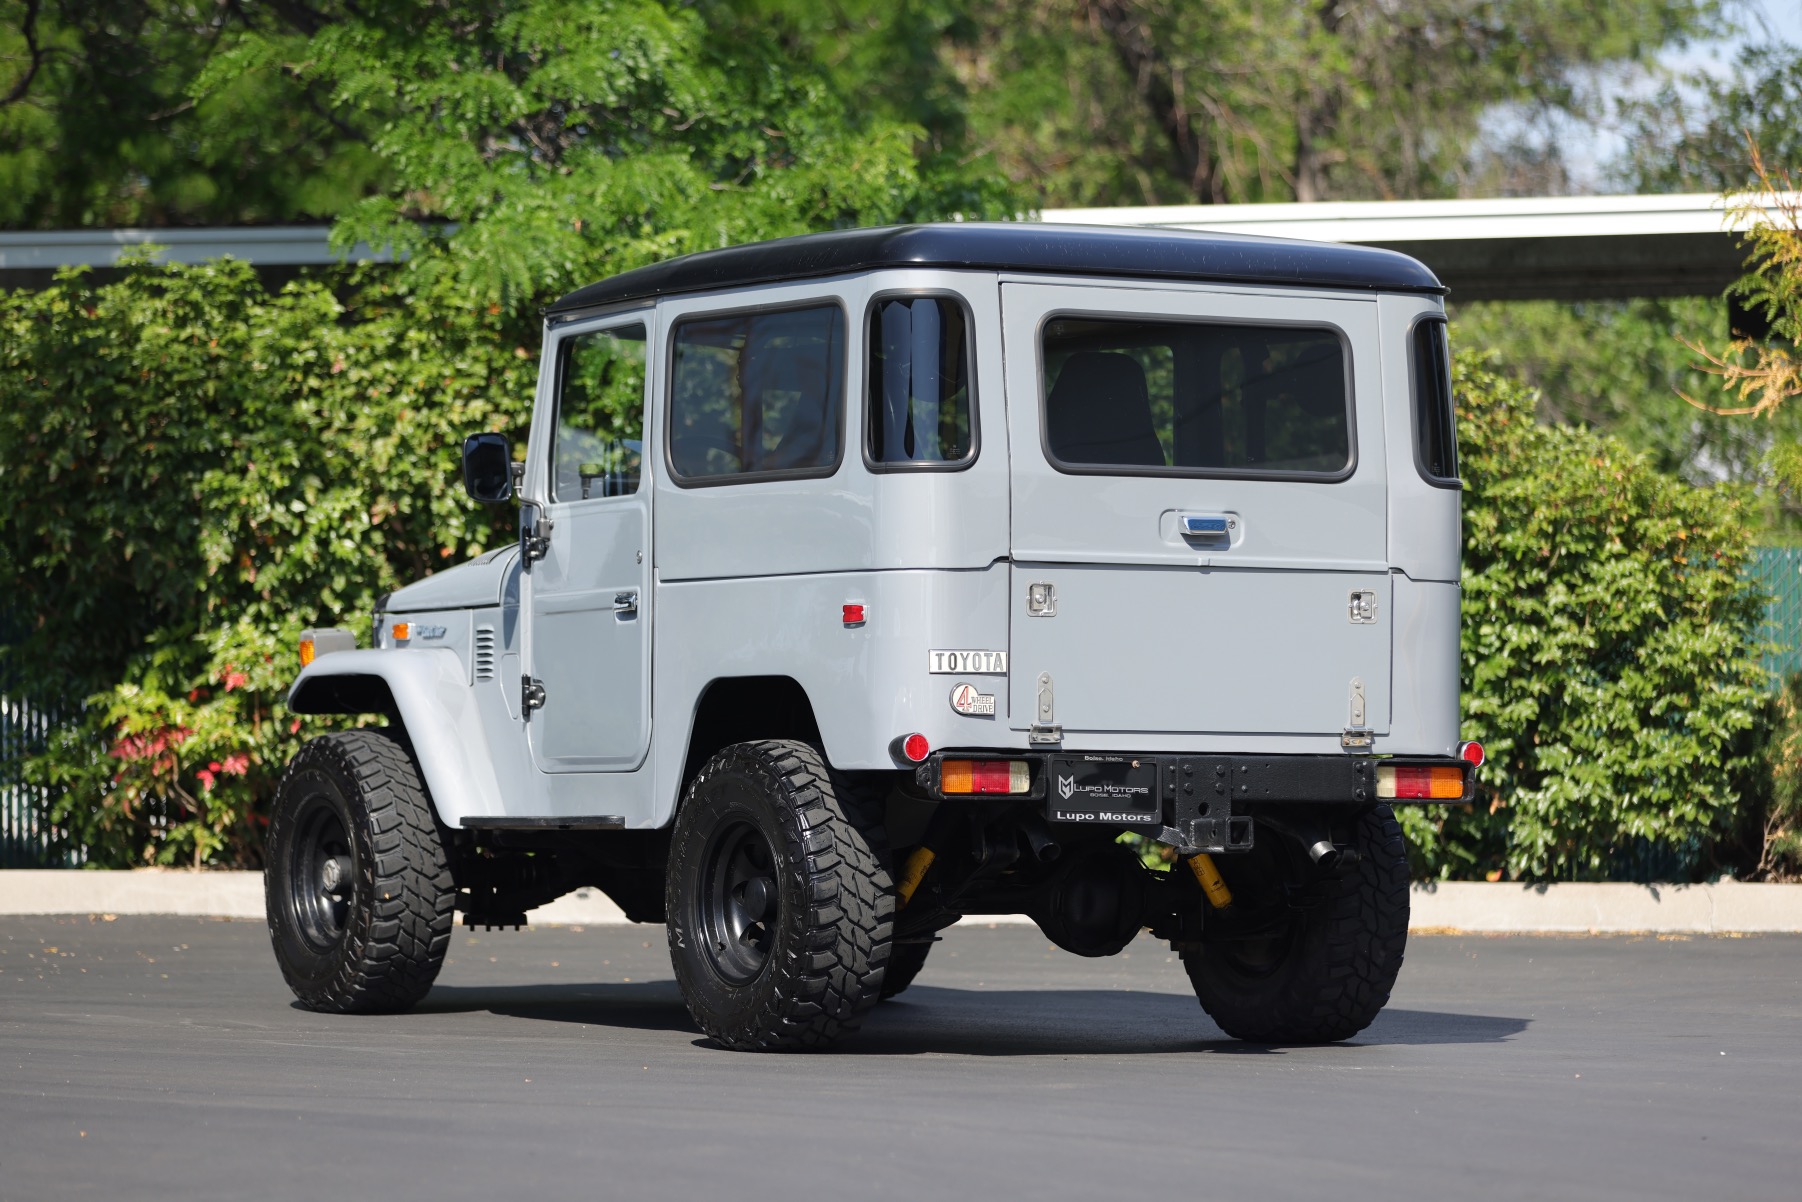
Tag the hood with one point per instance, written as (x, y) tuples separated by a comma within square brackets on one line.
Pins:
[(473, 585)]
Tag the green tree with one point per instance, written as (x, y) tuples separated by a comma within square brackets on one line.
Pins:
[(98, 126), (1099, 102)]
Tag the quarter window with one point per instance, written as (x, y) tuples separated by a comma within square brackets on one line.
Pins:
[(1196, 398), (919, 382), (1435, 427), (758, 393), (600, 414)]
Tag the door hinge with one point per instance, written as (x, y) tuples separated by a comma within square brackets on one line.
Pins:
[(535, 538), (531, 694), (1358, 735), (1044, 729)]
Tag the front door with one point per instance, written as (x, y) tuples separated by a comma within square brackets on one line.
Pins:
[(586, 592), (1198, 492)]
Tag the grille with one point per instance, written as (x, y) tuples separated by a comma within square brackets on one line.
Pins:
[(484, 654)]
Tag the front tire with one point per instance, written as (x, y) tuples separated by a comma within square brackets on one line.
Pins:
[(357, 887), (1320, 972), (779, 899)]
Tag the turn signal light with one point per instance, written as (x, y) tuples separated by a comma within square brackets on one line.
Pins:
[(1419, 783), (401, 631), (306, 652), (985, 776)]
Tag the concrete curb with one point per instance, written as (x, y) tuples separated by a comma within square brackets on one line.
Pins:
[(1727, 908)]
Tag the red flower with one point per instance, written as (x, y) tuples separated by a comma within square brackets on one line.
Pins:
[(234, 679), (236, 764)]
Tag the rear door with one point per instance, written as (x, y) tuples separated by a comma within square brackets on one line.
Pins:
[(1198, 512)]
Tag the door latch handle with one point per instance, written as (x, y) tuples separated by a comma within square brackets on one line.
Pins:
[(625, 603), (1208, 525)]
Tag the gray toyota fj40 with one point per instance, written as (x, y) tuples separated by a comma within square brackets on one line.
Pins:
[(868, 580)]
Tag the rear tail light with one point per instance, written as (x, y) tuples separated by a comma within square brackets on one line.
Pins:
[(1422, 783), (985, 776)]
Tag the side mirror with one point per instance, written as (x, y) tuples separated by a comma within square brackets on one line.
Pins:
[(488, 467)]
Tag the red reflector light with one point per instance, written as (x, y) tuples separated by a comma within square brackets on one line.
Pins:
[(1472, 754), (854, 615), (915, 748), (1419, 783), (985, 776)]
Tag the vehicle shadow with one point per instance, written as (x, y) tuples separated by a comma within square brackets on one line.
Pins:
[(1116, 1023), (972, 1022), (637, 1005)]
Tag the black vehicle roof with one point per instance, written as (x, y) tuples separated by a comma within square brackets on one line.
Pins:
[(1138, 253)]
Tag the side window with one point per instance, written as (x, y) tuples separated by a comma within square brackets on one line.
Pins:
[(1435, 427), (758, 393), (919, 383), (599, 449), (1196, 398)]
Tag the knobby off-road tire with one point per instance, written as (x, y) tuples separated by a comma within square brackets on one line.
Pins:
[(905, 960), (358, 889), (1330, 972), (780, 901)]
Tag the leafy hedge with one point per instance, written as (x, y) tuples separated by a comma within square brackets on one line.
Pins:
[(1610, 662), (194, 469)]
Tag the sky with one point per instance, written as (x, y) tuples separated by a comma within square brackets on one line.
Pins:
[(1589, 149)]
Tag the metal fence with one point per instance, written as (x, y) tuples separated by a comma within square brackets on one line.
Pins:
[(26, 840), (1779, 570)]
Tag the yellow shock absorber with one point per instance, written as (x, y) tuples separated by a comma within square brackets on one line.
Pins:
[(1213, 885), (914, 872)]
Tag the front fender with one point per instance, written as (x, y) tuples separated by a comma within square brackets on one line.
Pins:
[(429, 689)]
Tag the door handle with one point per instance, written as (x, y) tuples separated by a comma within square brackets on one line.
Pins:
[(1207, 525), (625, 603)]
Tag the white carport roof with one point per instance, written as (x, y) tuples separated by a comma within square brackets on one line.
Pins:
[(1557, 247), (1569, 248)]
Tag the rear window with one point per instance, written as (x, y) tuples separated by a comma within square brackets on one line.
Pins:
[(758, 393), (919, 382), (1435, 430), (1196, 398)]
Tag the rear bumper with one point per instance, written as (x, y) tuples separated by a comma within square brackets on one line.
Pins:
[(1160, 788)]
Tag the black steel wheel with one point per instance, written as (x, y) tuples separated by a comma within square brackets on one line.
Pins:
[(357, 886), (1304, 956), (779, 900)]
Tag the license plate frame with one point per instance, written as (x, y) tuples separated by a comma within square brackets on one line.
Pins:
[(1113, 789)]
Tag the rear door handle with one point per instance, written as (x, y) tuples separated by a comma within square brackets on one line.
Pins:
[(1207, 525)]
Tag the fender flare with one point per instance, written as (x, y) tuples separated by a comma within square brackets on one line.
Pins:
[(432, 697)]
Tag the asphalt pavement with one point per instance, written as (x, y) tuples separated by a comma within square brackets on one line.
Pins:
[(163, 1058)]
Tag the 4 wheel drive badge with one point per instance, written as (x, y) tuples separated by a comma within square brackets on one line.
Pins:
[(966, 700), (1066, 785)]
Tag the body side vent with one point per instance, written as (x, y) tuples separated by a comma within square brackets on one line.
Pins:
[(484, 653)]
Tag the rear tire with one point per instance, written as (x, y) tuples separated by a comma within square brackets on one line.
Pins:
[(905, 960), (780, 902), (357, 888), (1327, 969)]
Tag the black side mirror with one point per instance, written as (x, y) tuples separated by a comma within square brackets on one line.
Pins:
[(488, 467)]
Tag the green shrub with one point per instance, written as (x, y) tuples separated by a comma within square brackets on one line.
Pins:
[(1610, 662), (194, 471)]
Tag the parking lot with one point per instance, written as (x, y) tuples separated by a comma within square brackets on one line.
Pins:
[(162, 1057)]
